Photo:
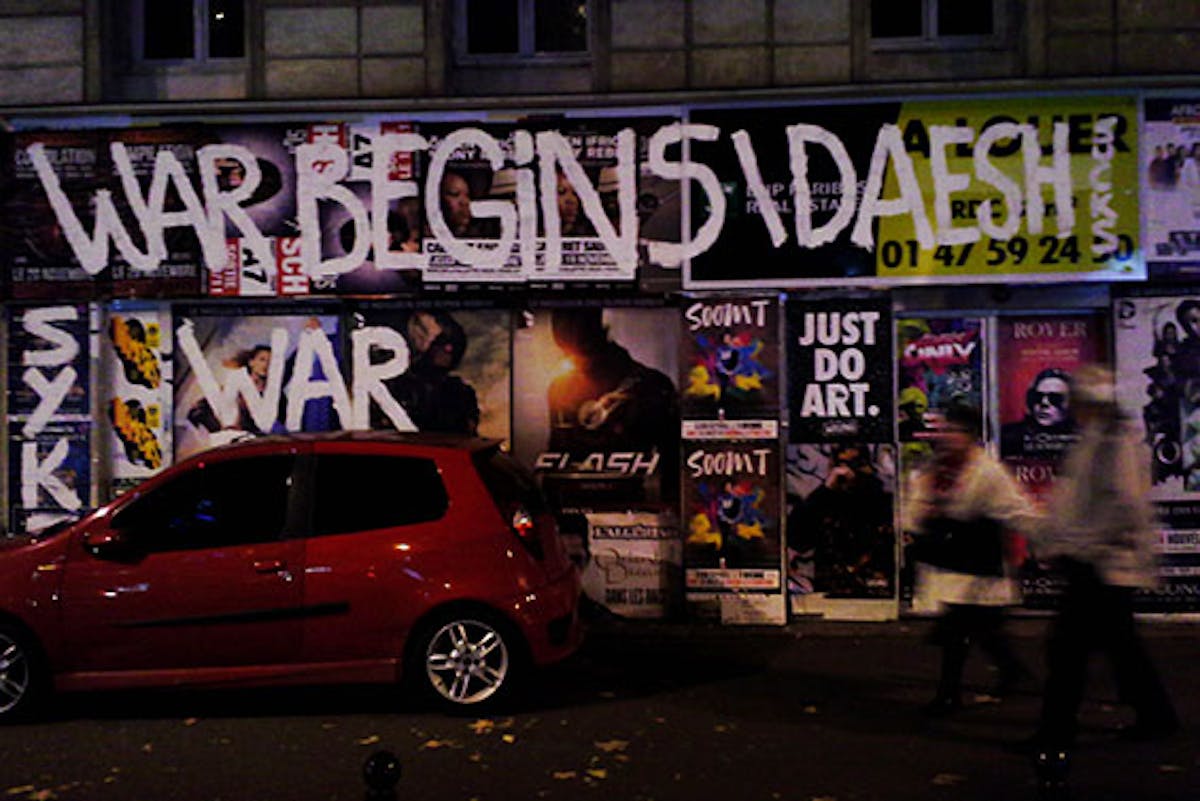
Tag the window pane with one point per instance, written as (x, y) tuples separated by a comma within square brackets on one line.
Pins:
[(226, 28), (236, 502), (561, 26), (364, 493), (492, 26), (894, 19), (169, 29), (964, 18)]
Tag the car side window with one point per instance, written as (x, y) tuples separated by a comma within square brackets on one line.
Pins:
[(364, 492), (234, 502)]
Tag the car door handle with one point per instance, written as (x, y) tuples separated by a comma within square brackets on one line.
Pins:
[(270, 566)]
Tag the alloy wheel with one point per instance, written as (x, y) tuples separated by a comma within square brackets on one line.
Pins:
[(14, 673), (467, 661)]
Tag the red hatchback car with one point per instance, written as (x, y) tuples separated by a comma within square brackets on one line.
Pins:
[(352, 557)]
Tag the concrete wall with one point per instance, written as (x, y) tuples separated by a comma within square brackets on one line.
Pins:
[(56, 51)]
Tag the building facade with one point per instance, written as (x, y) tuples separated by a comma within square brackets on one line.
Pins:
[(689, 258)]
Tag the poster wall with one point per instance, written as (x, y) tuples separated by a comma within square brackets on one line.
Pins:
[(246, 372), (1158, 385), (137, 361), (636, 564), (49, 415)]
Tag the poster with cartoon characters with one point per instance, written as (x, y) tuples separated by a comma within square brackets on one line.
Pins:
[(730, 358), (938, 359), (244, 371), (136, 357)]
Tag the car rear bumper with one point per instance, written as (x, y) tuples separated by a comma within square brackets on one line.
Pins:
[(549, 618)]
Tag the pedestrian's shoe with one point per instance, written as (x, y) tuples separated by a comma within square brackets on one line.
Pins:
[(1050, 767), (941, 706), (1148, 731)]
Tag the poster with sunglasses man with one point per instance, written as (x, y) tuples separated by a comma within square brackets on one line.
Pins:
[(1047, 427)]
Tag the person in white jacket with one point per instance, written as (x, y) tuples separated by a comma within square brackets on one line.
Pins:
[(1100, 528), (957, 515)]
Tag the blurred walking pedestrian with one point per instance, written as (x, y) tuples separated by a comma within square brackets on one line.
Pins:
[(958, 513), (1100, 529)]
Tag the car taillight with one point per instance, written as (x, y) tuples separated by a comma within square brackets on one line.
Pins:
[(525, 527)]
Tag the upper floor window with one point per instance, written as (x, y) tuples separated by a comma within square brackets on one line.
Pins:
[(195, 31), (934, 22), (517, 30)]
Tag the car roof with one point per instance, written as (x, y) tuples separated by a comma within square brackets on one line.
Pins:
[(412, 438)]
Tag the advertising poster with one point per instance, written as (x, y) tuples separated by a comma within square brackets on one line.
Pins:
[(839, 369), (595, 409), (243, 372), (136, 357), (146, 149), (730, 358), (439, 367), (1170, 169), (841, 539), (49, 415), (938, 360), (732, 523), (1038, 355), (1157, 345), (42, 262), (635, 564), (969, 190)]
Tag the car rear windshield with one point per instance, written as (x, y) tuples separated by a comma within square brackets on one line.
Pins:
[(508, 482)]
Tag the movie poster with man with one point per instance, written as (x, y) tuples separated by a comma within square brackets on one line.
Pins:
[(49, 414), (136, 357), (841, 542), (596, 411), (441, 367), (1157, 345), (839, 369), (730, 358), (245, 371)]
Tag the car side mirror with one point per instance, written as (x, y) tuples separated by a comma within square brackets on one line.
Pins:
[(109, 544)]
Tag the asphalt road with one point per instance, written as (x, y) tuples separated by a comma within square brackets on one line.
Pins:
[(816, 712)]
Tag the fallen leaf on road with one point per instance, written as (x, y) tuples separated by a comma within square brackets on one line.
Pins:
[(608, 746), (41, 795), (328, 726), (374, 738), (433, 745), (824, 798), (720, 727), (508, 738), (810, 710), (475, 756), (482, 726), (621, 758), (598, 773), (148, 748), (660, 720), (190, 722), (1170, 769), (948, 779), (22, 790), (563, 775)]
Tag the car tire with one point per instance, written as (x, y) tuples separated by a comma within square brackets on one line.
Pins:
[(22, 678), (467, 661)]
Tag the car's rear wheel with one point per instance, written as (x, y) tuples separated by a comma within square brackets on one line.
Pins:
[(468, 660), (21, 680)]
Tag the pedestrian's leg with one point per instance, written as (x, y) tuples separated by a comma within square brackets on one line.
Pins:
[(993, 638), (952, 635), (1138, 682), (1070, 641)]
